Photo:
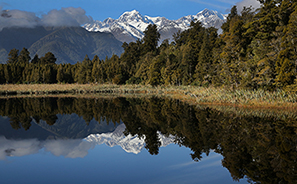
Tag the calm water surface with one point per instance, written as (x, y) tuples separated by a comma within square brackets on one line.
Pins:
[(141, 140)]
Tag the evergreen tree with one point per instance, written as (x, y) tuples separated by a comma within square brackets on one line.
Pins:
[(264, 45), (49, 58), (7, 73), (13, 56), (155, 77), (36, 75), (88, 65), (150, 39), (49, 74), (95, 68), (24, 57), (204, 71), (2, 75), (35, 60), (60, 73), (287, 57), (131, 56)]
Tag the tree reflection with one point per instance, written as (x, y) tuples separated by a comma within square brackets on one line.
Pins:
[(262, 149)]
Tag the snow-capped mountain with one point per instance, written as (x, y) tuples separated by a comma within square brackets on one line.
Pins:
[(131, 25), (131, 144)]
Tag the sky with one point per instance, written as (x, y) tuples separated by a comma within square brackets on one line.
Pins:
[(102, 9)]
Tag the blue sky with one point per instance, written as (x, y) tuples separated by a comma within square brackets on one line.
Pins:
[(102, 9)]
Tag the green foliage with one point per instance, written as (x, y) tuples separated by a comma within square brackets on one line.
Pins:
[(13, 56), (48, 58), (24, 57), (257, 49), (150, 39)]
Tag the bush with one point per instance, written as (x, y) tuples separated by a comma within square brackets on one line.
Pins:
[(134, 80)]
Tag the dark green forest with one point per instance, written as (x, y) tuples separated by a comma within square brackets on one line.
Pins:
[(257, 49)]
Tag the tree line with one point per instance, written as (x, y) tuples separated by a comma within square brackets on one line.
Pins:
[(257, 49)]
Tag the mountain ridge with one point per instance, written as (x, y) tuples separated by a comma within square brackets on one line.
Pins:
[(131, 24), (68, 44)]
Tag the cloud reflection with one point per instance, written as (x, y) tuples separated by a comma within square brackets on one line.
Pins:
[(68, 148), (18, 147)]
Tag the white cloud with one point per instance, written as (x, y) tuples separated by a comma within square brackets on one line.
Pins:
[(247, 3), (65, 17)]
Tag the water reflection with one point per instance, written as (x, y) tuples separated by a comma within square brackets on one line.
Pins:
[(131, 144), (72, 148), (264, 149), (75, 148)]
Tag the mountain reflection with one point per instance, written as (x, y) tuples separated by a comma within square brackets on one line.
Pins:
[(263, 149), (74, 148)]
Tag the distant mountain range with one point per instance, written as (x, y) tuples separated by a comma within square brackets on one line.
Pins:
[(131, 25), (71, 44), (68, 44)]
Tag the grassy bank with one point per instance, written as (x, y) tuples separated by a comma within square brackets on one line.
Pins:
[(197, 95)]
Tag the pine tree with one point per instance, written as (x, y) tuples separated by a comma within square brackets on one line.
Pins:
[(36, 75), (287, 58), (49, 58), (150, 39), (95, 68), (265, 44), (13, 56), (155, 77), (88, 65), (60, 73), (2, 75), (203, 69), (7, 73), (24, 57), (35, 60)]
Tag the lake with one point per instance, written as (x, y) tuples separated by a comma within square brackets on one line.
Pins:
[(112, 139)]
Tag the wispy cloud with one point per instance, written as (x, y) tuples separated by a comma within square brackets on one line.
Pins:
[(64, 17), (247, 3), (219, 4), (231, 2)]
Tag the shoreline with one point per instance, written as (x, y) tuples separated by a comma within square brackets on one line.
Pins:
[(195, 95)]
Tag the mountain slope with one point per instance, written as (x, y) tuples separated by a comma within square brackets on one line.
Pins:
[(68, 44), (131, 25), (73, 43)]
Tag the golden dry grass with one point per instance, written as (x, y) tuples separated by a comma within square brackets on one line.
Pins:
[(190, 94)]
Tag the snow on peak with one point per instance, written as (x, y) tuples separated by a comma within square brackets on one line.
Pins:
[(131, 24), (108, 21), (206, 13), (132, 16)]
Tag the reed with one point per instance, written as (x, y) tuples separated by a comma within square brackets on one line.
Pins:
[(192, 94)]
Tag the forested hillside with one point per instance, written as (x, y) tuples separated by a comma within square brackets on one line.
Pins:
[(257, 49)]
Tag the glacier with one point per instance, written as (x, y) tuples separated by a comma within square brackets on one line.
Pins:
[(130, 26)]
